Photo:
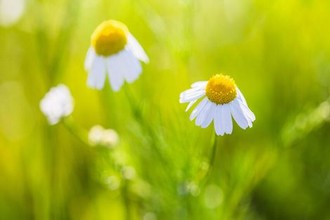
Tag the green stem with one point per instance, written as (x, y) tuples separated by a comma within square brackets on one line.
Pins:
[(75, 130), (50, 158), (214, 152), (42, 41), (127, 203), (212, 157), (108, 103)]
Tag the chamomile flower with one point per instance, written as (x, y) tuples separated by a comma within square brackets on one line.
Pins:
[(113, 52), (222, 101), (57, 103), (101, 136)]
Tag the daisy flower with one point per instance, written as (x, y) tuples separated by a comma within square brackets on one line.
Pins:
[(57, 103), (222, 101), (113, 51), (100, 136)]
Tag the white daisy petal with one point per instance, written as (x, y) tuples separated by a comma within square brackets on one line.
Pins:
[(133, 66), (197, 110), (116, 75), (90, 56), (96, 76), (191, 91), (247, 112), (241, 96), (123, 65), (219, 128), (226, 119), (136, 48), (190, 104), (191, 96), (245, 105), (203, 113), (238, 114), (199, 84), (209, 116)]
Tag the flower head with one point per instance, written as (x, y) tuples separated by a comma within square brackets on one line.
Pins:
[(101, 136), (114, 51), (57, 103), (11, 11), (222, 100)]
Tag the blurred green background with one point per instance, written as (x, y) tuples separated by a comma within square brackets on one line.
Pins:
[(277, 51)]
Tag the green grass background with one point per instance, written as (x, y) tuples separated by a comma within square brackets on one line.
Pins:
[(277, 51)]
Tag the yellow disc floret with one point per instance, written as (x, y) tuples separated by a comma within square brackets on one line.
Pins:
[(109, 38), (221, 89)]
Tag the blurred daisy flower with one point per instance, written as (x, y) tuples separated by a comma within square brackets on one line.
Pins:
[(57, 103), (114, 51), (222, 100), (101, 136), (11, 11)]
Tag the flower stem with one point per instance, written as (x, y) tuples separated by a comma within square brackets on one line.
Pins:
[(213, 153), (215, 141), (127, 202), (75, 130)]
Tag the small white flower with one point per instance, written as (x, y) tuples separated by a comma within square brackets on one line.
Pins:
[(100, 136), (114, 51), (222, 100), (57, 103), (11, 11)]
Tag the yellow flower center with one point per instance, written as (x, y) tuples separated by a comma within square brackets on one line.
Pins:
[(109, 38), (221, 89)]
